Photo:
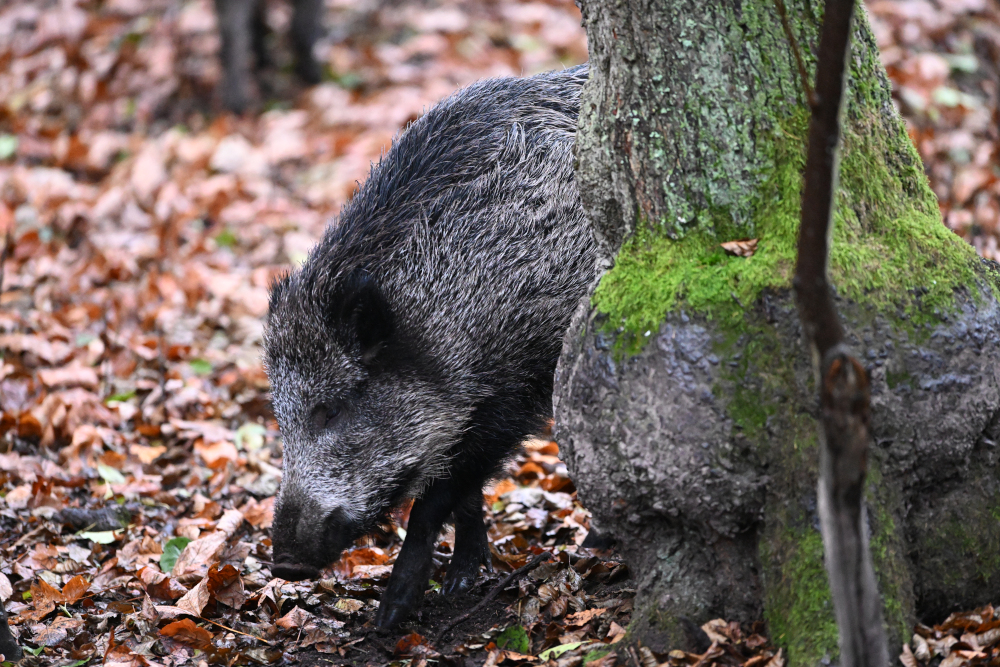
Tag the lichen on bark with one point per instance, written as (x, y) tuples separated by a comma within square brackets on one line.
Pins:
[(890, 250)]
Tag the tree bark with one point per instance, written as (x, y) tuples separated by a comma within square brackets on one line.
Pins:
[(685, 400)]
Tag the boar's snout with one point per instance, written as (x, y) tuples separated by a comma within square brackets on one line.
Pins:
[(306, 538)]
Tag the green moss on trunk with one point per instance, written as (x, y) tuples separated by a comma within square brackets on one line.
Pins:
[(799, 606), (890, 251)]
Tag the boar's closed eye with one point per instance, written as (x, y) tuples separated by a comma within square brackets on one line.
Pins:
[(326, 415)]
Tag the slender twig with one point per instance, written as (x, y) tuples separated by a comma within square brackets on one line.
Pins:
[(803, 75), (513, 576), (817, 311), (845, 398), (239, 632)]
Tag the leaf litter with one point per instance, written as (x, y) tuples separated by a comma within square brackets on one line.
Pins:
[(138, 455)]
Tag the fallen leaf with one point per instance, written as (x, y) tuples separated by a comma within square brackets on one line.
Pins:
[(187, 632), (409, 643), (58, 631), (557, 651), (615, 633), (147, 453), (295, 618), (742, 248), (921, 651), (6, 590), (74, 589)]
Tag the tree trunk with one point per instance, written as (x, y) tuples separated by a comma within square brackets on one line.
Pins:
[(685, 401)]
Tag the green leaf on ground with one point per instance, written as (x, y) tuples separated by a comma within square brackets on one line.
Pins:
[(109, 474), (8, 146), (514, 638), (556, 651), (120, 397), (200, 366), (172, 551), (226, 238)]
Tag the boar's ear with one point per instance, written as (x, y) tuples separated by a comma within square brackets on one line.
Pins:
[(363, 314)]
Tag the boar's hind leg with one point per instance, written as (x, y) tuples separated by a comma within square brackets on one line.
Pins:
[(472, 547), (412, 568)]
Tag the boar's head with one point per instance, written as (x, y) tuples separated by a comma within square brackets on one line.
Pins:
[(365, 422)]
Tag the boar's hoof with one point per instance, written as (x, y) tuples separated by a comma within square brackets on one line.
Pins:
[(393, 612), (294, 571), (460, 583), (464, 570), (402, 596)]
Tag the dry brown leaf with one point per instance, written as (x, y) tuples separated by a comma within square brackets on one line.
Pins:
[(921, 651), (584, 616), (778, 660), (187, 632), (159, 585), (371, 571), (615, 633), (907, 658), (194, 601), (514, 656), (6, 590), (259, 514), (953, 660), (230, 522), (147, 453), (74, 589), (74, 375), (216, 452), (741, 248), (122, 656), (985, 639), (716, 629), (610, 660), (197, 555), (271, 593), (149, 610), (408, 644), (45, 597), (295, 618), (220, 582), (58, 631)]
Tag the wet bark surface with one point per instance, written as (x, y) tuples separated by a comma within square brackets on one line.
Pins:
[(712, 510)]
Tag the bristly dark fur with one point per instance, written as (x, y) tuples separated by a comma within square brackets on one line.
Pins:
[(416, 346)]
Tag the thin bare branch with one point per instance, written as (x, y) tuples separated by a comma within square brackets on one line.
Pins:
[(843, 383)]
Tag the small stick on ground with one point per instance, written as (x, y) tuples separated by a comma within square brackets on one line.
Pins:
[(239, 632), (510, 578)]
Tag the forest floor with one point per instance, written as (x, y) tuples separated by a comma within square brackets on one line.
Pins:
[(140, 457)]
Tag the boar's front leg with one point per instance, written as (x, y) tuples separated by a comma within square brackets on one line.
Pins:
[(472, 546), (410, 573)]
